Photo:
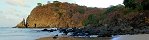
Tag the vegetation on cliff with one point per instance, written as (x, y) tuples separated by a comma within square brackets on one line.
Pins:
[(130, 18)]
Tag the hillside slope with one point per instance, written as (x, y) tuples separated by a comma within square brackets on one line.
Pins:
[(58, 14)]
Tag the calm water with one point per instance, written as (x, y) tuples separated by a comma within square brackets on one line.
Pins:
[(23, 33), (32, 34)]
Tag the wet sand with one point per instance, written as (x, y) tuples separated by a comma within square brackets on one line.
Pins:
[(120, 37), (76, 38)]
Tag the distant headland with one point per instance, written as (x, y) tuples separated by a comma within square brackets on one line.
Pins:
[(58, 14)]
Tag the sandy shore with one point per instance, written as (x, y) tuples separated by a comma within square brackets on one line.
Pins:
[(75, 38)]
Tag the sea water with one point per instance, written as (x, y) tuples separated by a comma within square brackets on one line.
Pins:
[(7, 33)]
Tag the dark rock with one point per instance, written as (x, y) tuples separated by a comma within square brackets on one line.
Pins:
[(55, 37), (70, 30), (104, 35), (64, 30), (14, 27), (51, 30), (45, 30)]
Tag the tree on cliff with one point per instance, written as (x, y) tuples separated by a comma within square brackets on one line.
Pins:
[(137, 4), (130, 3), (39, 4), (145, 4), (134, 4)]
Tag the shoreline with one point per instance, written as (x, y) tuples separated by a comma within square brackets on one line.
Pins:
[(75, 38), (122, 37)]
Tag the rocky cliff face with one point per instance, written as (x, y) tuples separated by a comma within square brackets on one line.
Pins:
[(58, 14)]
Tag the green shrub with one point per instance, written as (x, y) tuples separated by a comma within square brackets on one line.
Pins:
[(104, 15), (85, 22), (110, 9), (137, 4), (127, 11), (92, 19), (145, 4), (39, 4), (81, 10), (139, 7), (130, 4), (113, 8)]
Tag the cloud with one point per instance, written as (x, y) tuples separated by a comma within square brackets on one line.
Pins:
[(99, 3), (17, 3), (13, 11), (9, 18), (1, 11), (9, 21)]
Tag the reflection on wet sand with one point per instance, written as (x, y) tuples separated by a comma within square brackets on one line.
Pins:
[(119, 37), (132, 37)]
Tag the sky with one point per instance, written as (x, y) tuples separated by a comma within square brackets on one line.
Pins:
[(13, 11)]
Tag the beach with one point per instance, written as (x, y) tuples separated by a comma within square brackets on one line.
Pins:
[(75, 38), (119, 37)]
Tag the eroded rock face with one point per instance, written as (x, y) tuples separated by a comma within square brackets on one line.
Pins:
[(58, 14)]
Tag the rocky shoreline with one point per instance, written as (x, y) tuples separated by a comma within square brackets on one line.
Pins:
[(83, 33), (95, 32)]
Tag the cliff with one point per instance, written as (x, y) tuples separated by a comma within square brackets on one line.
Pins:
[(58, 14)]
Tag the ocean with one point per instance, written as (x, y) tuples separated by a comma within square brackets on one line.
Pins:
[(8, 33)]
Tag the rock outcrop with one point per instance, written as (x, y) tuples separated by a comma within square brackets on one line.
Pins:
[(58, 14)]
